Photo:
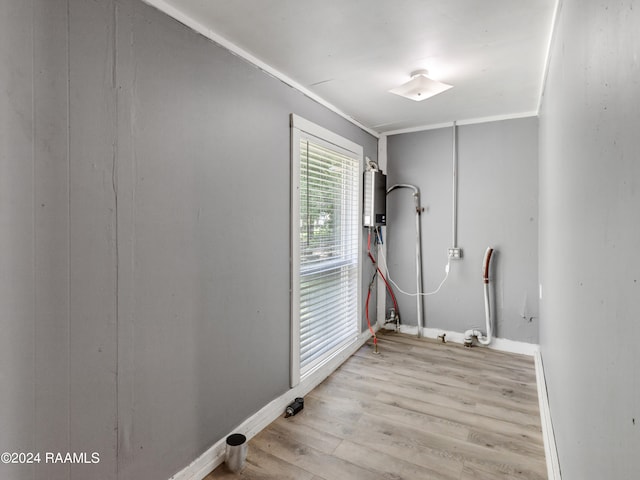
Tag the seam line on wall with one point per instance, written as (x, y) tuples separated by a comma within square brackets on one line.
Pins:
[(114, 180), (34, 197), (68, 227)]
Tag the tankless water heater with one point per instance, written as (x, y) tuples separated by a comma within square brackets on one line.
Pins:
[(375, 199)]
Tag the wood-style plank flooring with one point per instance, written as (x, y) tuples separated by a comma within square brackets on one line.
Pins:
[(418, 410)]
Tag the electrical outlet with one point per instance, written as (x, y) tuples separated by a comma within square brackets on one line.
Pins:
[(455, 253)]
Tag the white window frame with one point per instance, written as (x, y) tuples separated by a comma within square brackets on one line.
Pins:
[(301, 129)]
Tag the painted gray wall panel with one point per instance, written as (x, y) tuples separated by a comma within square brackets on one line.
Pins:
[(92, 233), (125, 181), (51, 215), (17, 288), (589, 234), (497, 206), (201, 223)]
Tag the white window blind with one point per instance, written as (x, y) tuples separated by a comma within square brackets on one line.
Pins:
[(326, 267)]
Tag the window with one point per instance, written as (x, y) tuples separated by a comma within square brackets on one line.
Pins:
[(325, 245)]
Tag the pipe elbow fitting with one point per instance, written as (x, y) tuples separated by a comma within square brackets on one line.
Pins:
[(468, 338)]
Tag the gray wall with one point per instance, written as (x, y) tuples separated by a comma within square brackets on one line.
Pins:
[(497, 207), (58, 254), (589, 237), (145, 237)]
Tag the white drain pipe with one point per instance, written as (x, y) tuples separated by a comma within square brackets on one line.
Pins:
[(469, 335)]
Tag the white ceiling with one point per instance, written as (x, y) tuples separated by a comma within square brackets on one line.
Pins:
[(351, 52)]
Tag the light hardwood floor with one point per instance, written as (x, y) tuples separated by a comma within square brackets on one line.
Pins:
[(418, 410)]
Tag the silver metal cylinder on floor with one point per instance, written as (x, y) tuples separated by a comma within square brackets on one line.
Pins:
[(235, 454)]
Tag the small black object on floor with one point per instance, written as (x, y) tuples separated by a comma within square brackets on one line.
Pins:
[(294, 408)]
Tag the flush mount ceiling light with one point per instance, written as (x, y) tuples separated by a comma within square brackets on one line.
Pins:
[(420, 87)]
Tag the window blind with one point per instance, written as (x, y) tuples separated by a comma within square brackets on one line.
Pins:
[(329, 251)]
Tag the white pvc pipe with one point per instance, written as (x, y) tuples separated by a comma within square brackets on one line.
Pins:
[(486, 340), (474, 332), (454, 226), (418, 264), (416, 197)]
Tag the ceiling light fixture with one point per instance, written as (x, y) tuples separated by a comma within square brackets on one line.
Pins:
[(420, 87)]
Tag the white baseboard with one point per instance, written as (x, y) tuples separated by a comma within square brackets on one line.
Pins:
[(501, 344), (550, 451), (214, 456)]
